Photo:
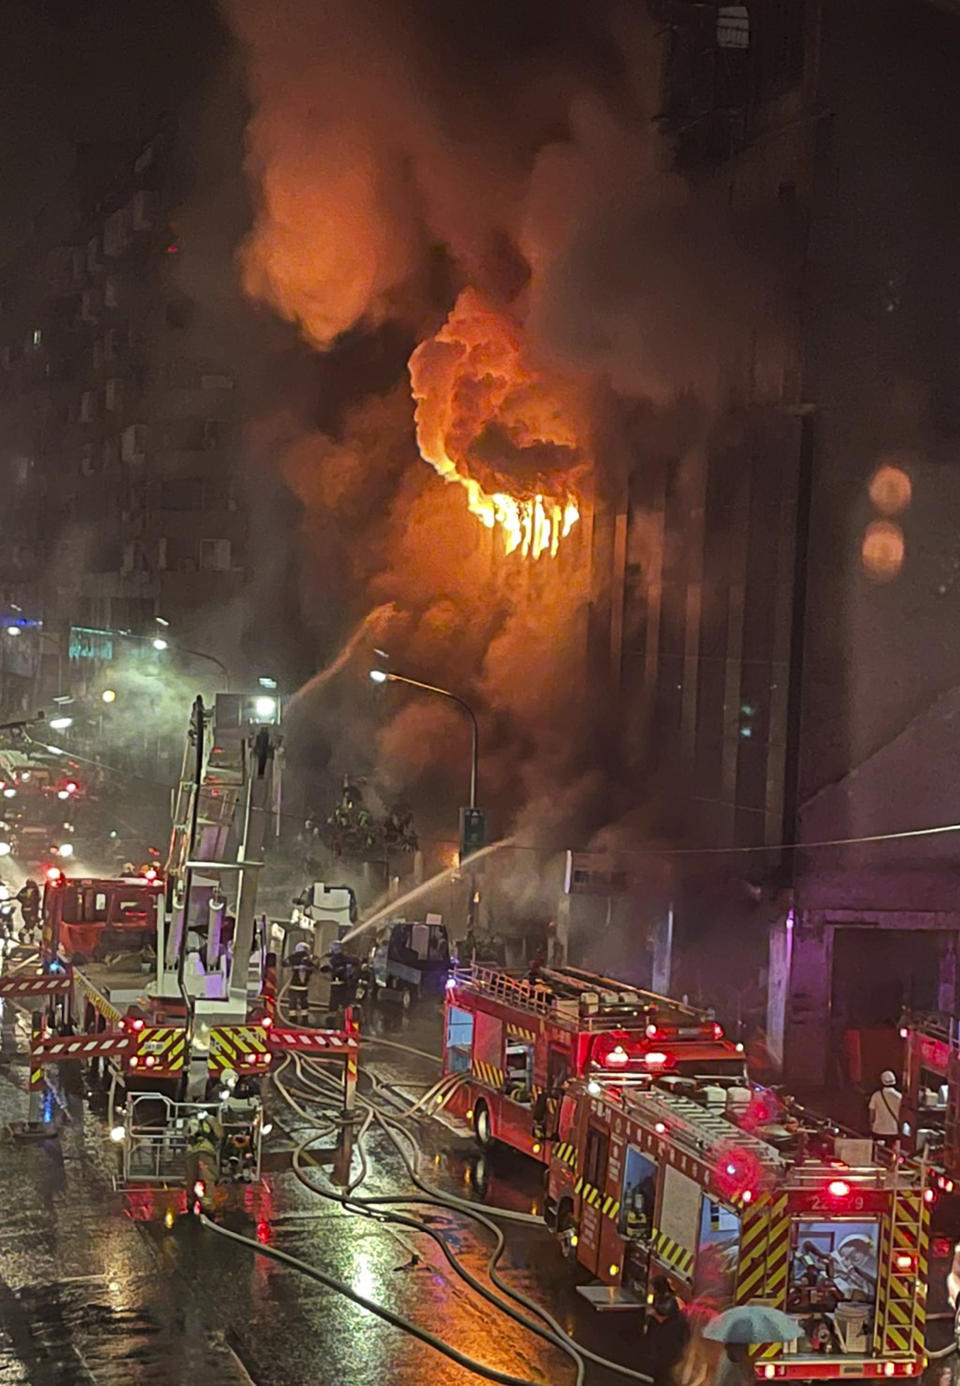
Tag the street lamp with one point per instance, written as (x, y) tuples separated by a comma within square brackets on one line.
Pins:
[(388, 676)]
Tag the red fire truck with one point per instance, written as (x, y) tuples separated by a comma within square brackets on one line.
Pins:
[(93, 917), (165, 988), (517, 1042), (646, 1182)]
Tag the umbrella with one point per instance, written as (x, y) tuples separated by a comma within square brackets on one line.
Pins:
[(752, 1323)]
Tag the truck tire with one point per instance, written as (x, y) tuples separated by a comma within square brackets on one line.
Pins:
[(407, 998), (483, 1126)]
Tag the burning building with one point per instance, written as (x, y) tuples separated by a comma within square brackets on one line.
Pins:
[(611, 324)]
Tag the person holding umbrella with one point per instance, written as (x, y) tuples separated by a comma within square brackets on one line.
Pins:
[(740, 1327)]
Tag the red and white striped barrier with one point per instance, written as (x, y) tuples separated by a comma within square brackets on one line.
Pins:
[(45, 985), (80, 1046)]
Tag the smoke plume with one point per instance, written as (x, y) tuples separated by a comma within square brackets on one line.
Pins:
[(486, 195)]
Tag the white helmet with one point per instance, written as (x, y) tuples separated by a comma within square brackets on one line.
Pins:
[(229, 1078), (888, 1078)]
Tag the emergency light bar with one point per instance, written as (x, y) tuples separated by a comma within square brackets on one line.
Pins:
[(709, 1030)]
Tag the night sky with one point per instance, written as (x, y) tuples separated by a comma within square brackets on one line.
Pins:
[(81, 70)]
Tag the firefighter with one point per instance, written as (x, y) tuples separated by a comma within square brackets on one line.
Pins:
[(240, 1103), (28, 897), (204, 1137), (302, 962)]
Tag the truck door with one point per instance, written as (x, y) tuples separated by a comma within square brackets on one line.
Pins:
[(596, 1152)]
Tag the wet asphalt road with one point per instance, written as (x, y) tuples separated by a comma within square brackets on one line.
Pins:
[(94, 1288)]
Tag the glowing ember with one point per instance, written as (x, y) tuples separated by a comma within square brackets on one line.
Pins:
[(499, 427)]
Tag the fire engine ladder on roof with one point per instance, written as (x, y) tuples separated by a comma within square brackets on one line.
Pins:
[(593, 981), (702, 1132), (900, 1329)]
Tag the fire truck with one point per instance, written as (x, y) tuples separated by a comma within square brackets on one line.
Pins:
[(742, 1203), (516, 1042), (164, 987)]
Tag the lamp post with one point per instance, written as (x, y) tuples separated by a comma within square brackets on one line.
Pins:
[(387, 676)]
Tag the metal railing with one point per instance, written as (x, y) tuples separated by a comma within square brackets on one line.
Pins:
[(588, 1011), (154, 1151)]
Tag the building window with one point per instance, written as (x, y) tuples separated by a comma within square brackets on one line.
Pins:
[(111, 293), (113, 394), (215, 555), (37, 337), (88, 406)]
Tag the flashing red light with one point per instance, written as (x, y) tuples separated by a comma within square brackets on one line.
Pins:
[(134, 1062), (135, 1024), (199, 1188), (150, 874), (838, 1188), (904, 1032), (731, 1169), (746, 1196), (654, 1059), (71, 786), (263, 1232), (717, 1031), (53, 874), (903, 1261), (653, 1032), (150, 1060), (617, 1057), (928, 1195), (660, 1129), (948, 1186), (267, 1021)]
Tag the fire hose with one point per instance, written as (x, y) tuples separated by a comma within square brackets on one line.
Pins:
[(553, 1333)]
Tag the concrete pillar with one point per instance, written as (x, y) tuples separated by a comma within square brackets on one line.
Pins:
[(806, 1052)]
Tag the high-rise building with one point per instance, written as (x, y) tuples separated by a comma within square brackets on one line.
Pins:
[(783, 572), (119, 431)]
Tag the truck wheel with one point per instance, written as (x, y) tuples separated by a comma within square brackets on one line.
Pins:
[(407, 998), (483, 1126)]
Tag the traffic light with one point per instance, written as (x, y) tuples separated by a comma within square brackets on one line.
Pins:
[(473, 831)]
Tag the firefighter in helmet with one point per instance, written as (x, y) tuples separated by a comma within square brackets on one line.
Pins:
[(302, 964), (204, 1137)]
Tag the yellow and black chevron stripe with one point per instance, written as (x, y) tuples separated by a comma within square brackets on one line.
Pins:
[(36, 1078), (606, 1205), (671, 1253), (237, 1047), (165, 1044), (518, 1032), (566, 1153), (97, 999), (489, 1074), (906, 1233)]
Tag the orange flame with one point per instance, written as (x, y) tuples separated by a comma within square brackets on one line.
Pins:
[(482, 408)]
